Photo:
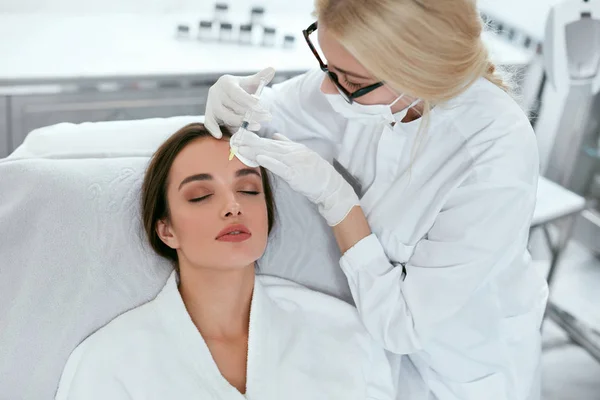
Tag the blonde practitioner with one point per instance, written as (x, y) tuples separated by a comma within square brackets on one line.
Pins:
[(404, 97)]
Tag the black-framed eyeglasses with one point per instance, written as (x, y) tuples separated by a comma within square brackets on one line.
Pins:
[(349, 97)]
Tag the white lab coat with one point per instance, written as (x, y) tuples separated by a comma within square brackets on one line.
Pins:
[(446, 276), (302, 345)]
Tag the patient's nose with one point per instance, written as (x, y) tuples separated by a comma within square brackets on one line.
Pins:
[(232, 207)]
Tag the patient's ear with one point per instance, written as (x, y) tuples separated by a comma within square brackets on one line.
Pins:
[(166, 234)]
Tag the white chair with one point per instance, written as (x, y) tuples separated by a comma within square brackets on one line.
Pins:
[(557, 206)]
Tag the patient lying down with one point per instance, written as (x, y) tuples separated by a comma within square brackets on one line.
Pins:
[(216, 330)]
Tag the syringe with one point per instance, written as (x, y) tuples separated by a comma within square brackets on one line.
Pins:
[(248, 115)]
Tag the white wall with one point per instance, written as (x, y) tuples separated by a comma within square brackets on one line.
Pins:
[(202, 7)]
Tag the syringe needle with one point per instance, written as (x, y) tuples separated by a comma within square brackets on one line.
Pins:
[(248, 116)]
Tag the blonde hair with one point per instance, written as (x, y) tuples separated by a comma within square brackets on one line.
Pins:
[(427, 49)]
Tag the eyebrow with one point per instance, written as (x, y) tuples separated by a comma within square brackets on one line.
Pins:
[(208, 177), (246, 171), (343, 71), (197, 177)]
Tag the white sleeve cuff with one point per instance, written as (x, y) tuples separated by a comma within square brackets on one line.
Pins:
[(367, 253)]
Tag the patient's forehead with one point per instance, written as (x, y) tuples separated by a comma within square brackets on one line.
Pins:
[(205, 155)]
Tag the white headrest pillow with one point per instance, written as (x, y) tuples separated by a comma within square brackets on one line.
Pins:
[(101, 139)]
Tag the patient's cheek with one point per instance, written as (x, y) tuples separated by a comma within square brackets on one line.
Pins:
[(261, 234), (193, 228)]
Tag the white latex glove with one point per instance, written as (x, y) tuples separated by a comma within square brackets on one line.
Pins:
[(229, 99), (303, 169)]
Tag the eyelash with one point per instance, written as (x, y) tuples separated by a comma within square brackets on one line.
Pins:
[(350, 84), (199, 199)]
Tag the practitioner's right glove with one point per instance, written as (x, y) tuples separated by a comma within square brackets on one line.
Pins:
[(229, 99)]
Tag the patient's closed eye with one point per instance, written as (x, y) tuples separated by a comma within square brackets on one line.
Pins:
[(199, 199)]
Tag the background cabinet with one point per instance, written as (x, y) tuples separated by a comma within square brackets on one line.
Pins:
[(168, 97), (29, 112)]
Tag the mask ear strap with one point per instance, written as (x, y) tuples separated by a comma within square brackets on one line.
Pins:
[(414, 103), (397, 100)]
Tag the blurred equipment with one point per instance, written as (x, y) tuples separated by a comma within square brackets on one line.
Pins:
[(221, 10), (568, 127), (253, 30), (568, 130), (245, 34), (289, 41), (183, 31), (205, 30), (226, 32), (268, 37), (257, 16)]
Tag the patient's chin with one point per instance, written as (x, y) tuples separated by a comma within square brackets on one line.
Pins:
[(240, 260), (231, 257), (240, 255), (229, 266)]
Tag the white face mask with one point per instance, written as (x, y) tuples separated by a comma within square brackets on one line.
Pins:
[(374, 113)]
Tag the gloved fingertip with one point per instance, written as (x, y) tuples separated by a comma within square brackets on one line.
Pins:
[(213, 128), (267, 73), (245, 160)]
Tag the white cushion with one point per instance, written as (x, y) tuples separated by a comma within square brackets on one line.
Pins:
[(74, 255), (100, 139)]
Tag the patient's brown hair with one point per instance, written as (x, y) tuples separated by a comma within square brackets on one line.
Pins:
[(155, 206)]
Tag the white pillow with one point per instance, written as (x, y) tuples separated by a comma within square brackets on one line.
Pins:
[(100, 139), (74, 255)]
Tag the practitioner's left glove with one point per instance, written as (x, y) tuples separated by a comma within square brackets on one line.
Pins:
[(303, 169)]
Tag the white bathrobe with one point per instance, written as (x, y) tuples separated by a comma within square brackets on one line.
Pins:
[(302, 345)]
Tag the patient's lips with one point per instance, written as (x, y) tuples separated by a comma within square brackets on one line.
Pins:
[(234, 233)]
